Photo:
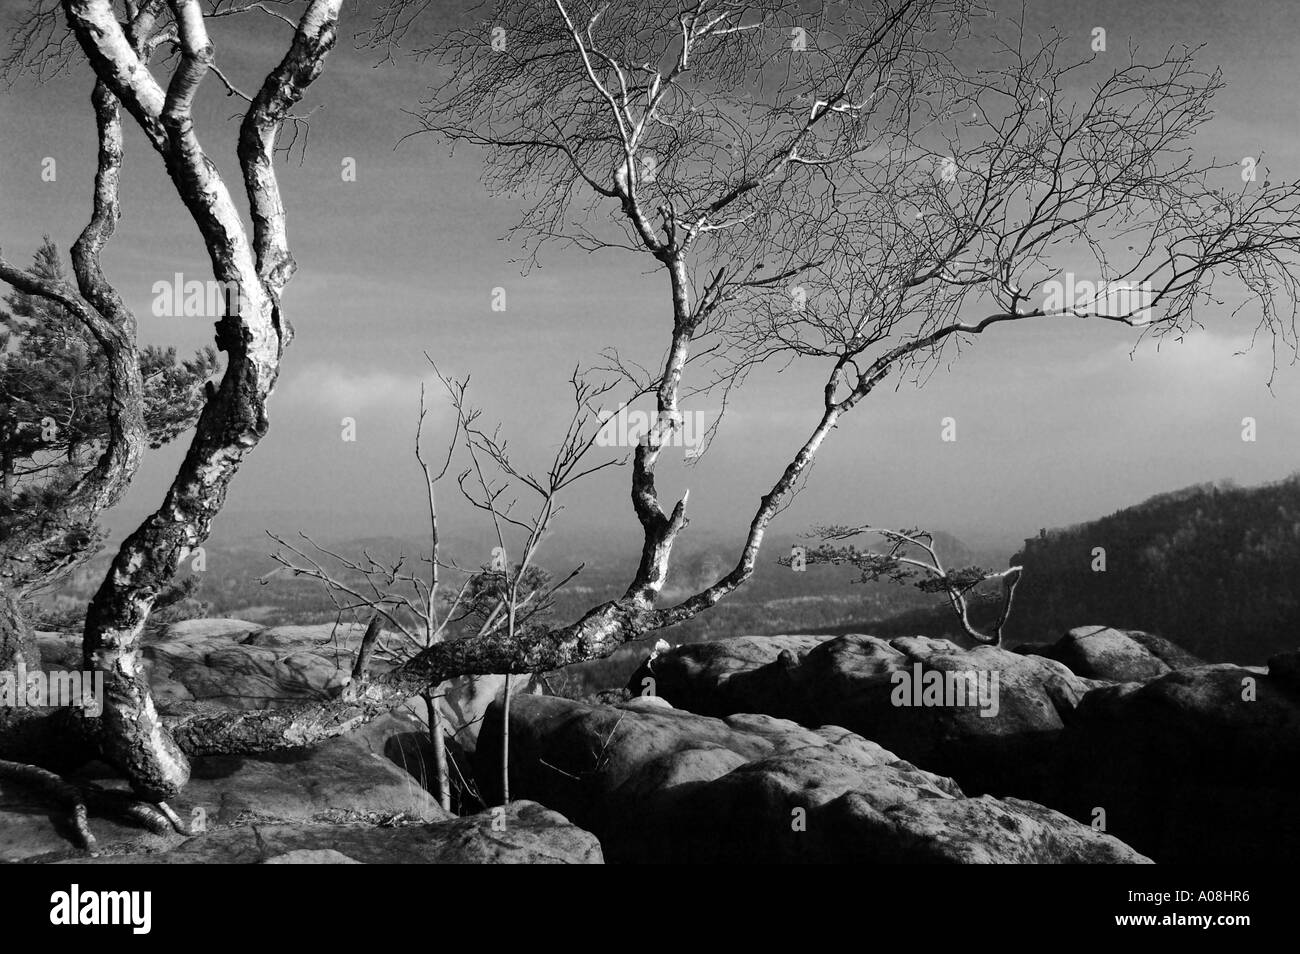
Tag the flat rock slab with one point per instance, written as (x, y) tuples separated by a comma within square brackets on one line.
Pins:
[(341, 775), (339, 780), (31, 824), (247, 667), (522, 833), (216, 627)]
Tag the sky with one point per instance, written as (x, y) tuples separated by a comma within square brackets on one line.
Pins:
[(1055, 424)]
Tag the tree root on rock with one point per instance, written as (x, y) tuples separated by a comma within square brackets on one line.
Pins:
[(81, 796)]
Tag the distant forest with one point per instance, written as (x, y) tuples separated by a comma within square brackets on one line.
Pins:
[(1214, 567)]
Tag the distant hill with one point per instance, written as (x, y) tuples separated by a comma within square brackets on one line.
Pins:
[(239, 580), (1214, 567)]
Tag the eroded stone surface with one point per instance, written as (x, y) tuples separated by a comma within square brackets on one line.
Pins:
[(523, 833), (668, 785), (1005, 743)]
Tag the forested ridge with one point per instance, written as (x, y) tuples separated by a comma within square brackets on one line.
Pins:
[(1212, 566)]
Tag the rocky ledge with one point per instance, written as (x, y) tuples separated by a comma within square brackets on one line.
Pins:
[(657, 784), (1183, 760)]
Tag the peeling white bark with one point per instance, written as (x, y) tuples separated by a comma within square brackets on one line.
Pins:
[(251, 333)]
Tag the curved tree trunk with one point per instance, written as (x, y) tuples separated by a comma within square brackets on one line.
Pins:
[(47, 547), (252, 333)]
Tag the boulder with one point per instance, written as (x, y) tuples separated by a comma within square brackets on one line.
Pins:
[(665, 785), (1168, 652), (342, 776), (1197, 765), (522, 833), (1004, 742), (465, 701), (244, 666), (1100, 652), (698, 677)]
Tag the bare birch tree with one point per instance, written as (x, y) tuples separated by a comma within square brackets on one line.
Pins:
[(504, 594), (839, 185), (118, 41)]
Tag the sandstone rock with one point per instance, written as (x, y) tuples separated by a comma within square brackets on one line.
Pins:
[(312, 856), (241, 665), (339, 776), (698, 677), (338, 780), (230, 664), (338, 642), (1188, 766), (465, 701), (525, 833), (648, 702), (344, 778), (1099, 652), (215, 669), (267, 668), (852, 681), (32, 825), (1169, 653), (1184, 768), (671, 786), (214, 628)]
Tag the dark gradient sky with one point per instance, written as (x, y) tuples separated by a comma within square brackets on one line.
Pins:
[(1056, 423)]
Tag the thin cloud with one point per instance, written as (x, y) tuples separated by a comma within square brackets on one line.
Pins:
[(324, 385)]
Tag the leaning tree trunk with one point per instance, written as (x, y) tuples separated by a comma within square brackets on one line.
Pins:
[(252, 333)]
